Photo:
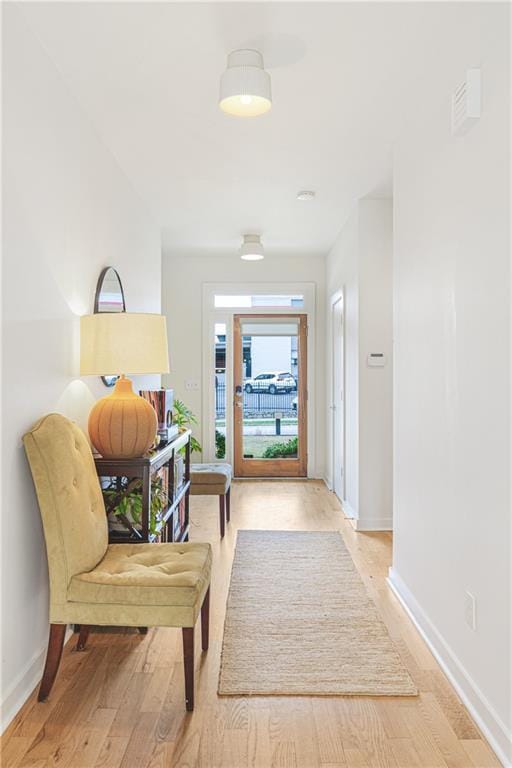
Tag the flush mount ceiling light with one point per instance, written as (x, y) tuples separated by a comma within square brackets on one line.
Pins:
[(245, 86), (305, 194), (252, 249)]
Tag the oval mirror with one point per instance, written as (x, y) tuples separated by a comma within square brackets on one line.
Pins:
[(109, 298)]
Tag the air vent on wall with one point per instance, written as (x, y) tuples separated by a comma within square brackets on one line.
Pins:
[(466, 103)]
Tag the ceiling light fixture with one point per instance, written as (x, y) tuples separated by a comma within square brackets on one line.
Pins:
[(245, 86), (252, 249), (305, 194)]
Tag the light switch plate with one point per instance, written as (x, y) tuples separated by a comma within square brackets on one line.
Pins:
[(376, 360), (191, 385)]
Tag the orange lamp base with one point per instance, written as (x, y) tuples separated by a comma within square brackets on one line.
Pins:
[(122, 425)]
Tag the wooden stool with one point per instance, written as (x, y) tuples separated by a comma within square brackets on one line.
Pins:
[(213, 480)]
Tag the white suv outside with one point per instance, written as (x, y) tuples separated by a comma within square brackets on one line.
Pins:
[(273, 382)]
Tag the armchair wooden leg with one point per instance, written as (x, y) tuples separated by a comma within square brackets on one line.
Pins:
[(53, 655), (188, 663), (221, 515), (228, 504), (205, 621), (82, 637)]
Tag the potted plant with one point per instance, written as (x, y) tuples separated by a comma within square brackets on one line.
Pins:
[(125, 502), (184, 418)]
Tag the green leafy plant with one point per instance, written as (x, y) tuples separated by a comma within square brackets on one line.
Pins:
[(126, 502), (220, 445), (282, 450), (184, 418)]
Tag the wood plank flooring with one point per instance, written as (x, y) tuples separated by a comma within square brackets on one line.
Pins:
[(120, 704)]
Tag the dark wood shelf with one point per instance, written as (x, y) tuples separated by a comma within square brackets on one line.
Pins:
[(152, 460), (182, 490), (143, 468), (184, 534)]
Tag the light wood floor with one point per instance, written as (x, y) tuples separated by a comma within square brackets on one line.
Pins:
[(121, 702)]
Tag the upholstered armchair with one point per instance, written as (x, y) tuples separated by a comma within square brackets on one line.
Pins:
[(96, 583)]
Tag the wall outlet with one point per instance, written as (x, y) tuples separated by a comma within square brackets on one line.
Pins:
[(191, 385), (470, 610)]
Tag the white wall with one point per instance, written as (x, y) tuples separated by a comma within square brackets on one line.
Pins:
[(67, 212), (375, 384), (182, 280), (342, 273), (452, 375), (360, 263)]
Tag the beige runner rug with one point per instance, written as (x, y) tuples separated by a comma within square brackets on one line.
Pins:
[(299, 621)]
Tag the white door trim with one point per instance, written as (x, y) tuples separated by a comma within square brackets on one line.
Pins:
[(335, 298), (212, 315)]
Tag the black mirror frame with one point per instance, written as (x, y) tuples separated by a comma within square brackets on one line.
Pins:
[(109, 381)]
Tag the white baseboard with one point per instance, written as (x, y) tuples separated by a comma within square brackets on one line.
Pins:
[(366, 524), (328, 483), (491, 725), (374, 524), (348, 510), (23, 685)]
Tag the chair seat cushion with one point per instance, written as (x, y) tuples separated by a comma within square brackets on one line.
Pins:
[(218, 475), (145, 575)]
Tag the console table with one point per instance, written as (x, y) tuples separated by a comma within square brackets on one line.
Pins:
[(144, 468)]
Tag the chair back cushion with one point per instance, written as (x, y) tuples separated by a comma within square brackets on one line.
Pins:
[(70, 500)]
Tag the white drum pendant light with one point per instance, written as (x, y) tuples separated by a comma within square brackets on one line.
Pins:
[(252, 249), (245, 86)]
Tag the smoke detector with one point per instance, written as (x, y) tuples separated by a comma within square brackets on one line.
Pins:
[(305, 194), (466, 103)]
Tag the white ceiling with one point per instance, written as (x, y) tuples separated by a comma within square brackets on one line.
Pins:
[(344, 76)]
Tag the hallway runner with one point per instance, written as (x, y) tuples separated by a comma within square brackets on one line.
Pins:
[(300, 622)]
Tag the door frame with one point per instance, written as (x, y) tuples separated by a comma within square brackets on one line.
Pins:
[(211, 315), (337, 297), (273, 467)]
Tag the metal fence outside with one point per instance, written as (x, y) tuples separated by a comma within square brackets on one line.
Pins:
[(258, 403)]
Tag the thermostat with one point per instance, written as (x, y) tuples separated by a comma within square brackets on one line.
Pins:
[(376, 360)]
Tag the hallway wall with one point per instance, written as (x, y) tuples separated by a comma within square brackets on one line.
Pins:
[(360, 264), (67, 212), (452, 375), (342, 273)]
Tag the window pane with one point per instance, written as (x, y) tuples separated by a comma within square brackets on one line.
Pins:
[(245, 301), (270, 395), (232, 301), (275, 300), (220, 390)]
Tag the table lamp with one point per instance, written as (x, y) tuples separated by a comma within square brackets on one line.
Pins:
[(123, 424)]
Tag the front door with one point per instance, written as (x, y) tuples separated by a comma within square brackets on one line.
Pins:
[(270, 396)]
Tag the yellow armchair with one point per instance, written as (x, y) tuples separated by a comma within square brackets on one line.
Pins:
[(93, 582)]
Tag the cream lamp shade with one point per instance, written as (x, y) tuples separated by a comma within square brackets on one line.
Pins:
[(123, 424), (123, 342)]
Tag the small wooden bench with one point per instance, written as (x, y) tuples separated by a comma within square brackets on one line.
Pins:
[(213, 480)]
